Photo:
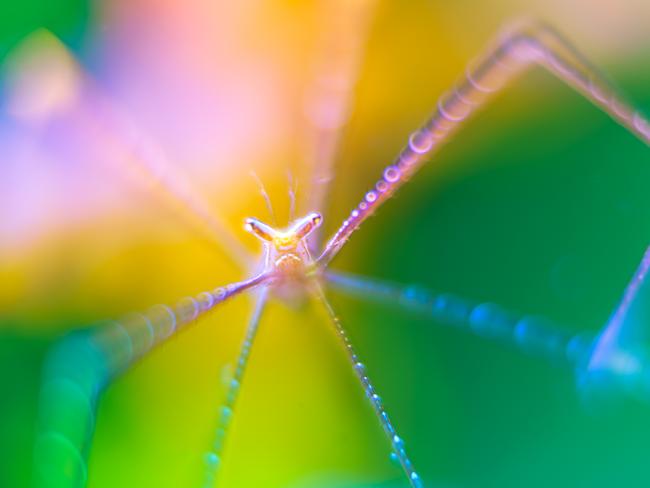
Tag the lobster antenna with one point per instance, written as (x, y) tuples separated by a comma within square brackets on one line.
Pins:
[(265, 195)]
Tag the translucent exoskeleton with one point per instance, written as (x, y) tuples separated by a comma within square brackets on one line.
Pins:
[(294, 258)]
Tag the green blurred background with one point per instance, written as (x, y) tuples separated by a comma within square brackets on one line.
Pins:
[(539, 204)]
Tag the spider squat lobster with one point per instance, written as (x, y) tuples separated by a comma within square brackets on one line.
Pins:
[(84, 363)]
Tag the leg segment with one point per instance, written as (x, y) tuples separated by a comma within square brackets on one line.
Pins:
[(213, 457), (327, 106), (620, 360), (531, 334), (145, 165), (110, 131), (396, 443), (515, 50), (83, 363)]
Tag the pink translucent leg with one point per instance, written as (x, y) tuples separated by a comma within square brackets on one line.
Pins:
[(83, 363), (515, 50)]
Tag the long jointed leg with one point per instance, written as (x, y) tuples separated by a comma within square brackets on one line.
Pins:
[(80, 365), (340, 43), (145, 165), (139, 333), (131, 152), (396, 442), (620, 358), (213, 457), (515, 50), (532, 334)]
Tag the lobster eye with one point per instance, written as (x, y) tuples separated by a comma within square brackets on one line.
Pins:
[(259, 229), (307, 224)]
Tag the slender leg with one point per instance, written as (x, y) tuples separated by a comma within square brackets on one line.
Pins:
[(620, 358), (145, 164), (339, 51), (530, 333), (396, 442), (213, 457), (81, 364), (614, 359), (515, 50), (125, 340), (110, 131)]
